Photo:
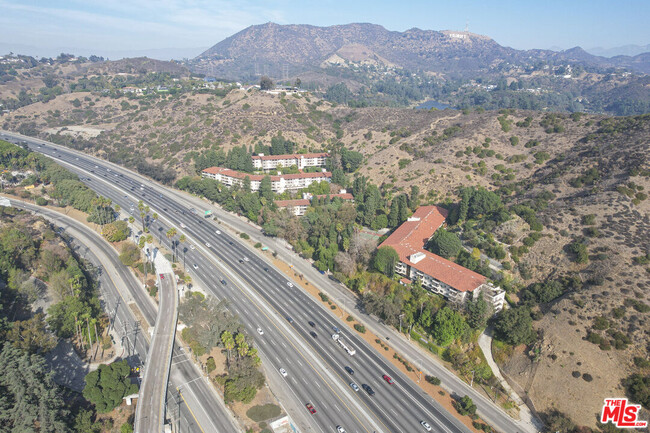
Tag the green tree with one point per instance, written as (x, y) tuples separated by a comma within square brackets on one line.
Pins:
[(445, 244), (638, 388), (108, 385), (385, 260), (31, 335), (447, 326), (228, 342), (478, 313), (84, 423), (515, 326), (29, 395), (266, 83), (393, 216), (265, 190), (126, 428), (465, 406)]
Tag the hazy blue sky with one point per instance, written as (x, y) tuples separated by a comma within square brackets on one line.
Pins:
[(129, 25)]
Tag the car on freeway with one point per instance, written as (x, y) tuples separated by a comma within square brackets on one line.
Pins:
[(260, 331), (191, 247), (207, 244), (289, 319), (223, 281), (96, 167), (336, 329), (388, 379), (266, 269), (313, 334), (230, 242), (289, 284), (312, 324), (195, 266), (183, 226), (218, 232), (283, 372), (340, 429), (368, 389), (426, 425), (162, 277), (349, 370), (354, 386), (245, 259), (310, 407)]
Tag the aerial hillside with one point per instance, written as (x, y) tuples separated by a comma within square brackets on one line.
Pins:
[(575, 187)]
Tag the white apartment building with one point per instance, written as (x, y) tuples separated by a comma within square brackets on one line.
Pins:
[(279, 183), (272, 162)]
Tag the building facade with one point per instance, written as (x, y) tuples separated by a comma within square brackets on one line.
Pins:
[(272, 162), (435, 273), (279, 183), (299, 206)]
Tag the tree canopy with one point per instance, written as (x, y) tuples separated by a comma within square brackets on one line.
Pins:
[(385, 260), (108, 385), (445, 244), (515, 326)]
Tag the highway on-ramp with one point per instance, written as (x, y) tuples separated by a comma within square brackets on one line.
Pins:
[(150, 412), (201, 409)]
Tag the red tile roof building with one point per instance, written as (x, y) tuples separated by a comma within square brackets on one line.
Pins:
[(435, 273), (301, 160), (279, 183), (299, 206)]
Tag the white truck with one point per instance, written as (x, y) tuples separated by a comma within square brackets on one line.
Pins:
[(339, 340)]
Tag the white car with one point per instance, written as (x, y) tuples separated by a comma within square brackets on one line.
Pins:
[(218, 232), (340, 429), (354, 386), (289, 284), (260, 331), (191, 247), (426, 425), (283, 372), (207, 244), (195, 266), (245, 259)]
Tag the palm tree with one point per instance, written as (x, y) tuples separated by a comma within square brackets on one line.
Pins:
[(182, 240), (131, 220), (242, 346), (228, 342), (170, 234), (155, 216)]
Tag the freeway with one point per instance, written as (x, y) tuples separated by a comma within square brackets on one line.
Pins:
[(120, 288), (249, 278), (150, 412)]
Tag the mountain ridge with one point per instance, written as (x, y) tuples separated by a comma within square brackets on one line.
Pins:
[(274, 47)]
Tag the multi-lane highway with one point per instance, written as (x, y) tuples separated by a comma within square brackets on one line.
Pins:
[(315, 364), (150, 412), (119, 287)]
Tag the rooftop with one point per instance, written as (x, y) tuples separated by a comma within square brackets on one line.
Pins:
[(409, 239), (290, 156)]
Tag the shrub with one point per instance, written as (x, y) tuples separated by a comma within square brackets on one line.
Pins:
[(41, 201), (641, 362), (210, 365), (432, 379), (360, 328), (587, 377), (258, 245), (349, 318), (244, 236), (601, 323), (576, 374), (323, 297)]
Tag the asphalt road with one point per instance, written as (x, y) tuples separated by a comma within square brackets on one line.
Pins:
[(316, 362), (198, 409), (150, 412)]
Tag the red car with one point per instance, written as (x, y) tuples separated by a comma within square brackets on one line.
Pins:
[(387, 379), (311, 408), (162, 277)]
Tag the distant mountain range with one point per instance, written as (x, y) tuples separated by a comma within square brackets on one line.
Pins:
[(625, 50), (274, 49)]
